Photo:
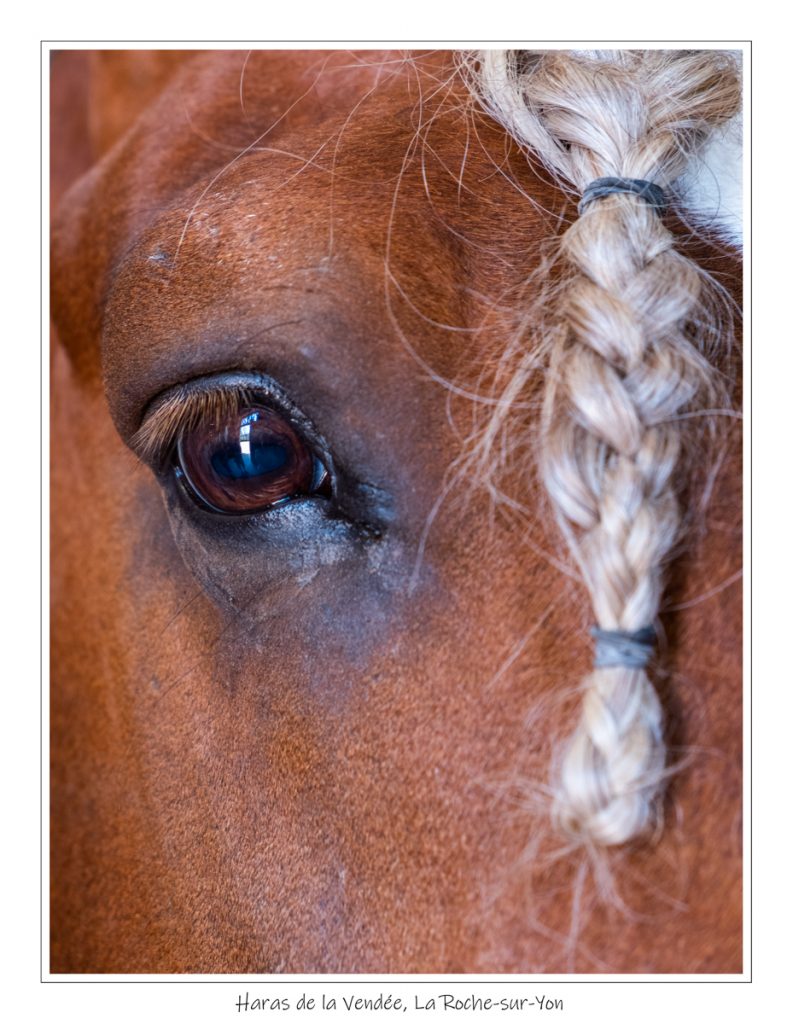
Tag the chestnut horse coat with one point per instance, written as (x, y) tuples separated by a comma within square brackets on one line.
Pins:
[(314, 743)]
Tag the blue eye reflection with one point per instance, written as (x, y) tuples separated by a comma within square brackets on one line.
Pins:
[(247, 458)]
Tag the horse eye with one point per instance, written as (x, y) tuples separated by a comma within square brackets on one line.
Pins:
[(249, 460)]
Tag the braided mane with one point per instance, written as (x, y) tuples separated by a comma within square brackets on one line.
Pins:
[(632, 331)]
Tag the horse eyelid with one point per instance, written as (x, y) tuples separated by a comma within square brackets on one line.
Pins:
[(185, 406), (175, 414)]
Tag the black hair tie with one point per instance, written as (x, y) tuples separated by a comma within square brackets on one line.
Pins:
[(652, 194), (617, 647)]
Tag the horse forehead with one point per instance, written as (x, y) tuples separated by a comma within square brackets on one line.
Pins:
[(267, 223), (272, 222), (287, 158), (276, 91), (340, 107), (278, 193)]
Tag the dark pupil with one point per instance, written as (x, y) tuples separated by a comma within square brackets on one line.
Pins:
[(249, 456)]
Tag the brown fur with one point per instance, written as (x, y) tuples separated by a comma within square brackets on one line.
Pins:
[(257, 769)]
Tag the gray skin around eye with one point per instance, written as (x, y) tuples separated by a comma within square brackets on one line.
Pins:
[(343, 580)]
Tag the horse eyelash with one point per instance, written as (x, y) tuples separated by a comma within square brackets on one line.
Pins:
[(183, 410)]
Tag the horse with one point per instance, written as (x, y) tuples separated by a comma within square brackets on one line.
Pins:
[(371, 397)]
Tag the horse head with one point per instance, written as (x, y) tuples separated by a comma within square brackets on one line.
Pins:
[(360, 423)]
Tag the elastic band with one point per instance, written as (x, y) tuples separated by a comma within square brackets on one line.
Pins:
[(652, 194), (615, 647)]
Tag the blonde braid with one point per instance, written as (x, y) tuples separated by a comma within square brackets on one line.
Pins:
[(623, 366)]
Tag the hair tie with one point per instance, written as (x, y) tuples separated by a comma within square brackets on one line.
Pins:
[(652, 194), (614, 647)]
